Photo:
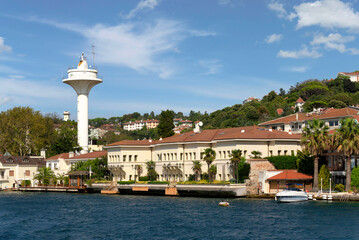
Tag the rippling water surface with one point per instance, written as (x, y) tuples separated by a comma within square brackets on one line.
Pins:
[(95, 216)]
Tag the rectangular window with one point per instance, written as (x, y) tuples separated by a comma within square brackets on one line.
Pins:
[(331, 123), (135, 158), (124, 158), (279, 152), (194, 156), (176, 156), (27, 173), (11, 173), (271, 153), (245, 153), (285, 152), (181, 156), (336, 123), (292, 152), (224, 154), (190, 156), (186, 156), (129, 158)]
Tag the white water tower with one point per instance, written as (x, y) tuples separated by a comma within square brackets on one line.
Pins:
[(82, 79)]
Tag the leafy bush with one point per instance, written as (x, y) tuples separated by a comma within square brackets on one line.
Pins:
[(144, 178), (158, 182), (355, 178), (67, 181), (283, 162), (103, 181), (126, 182), (325, 175), (204, 176), (26, 183), (243, 170), (340, 187), (192, 177), (305, 163)]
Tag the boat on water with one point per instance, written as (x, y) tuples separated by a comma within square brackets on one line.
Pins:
[(291, 194), (223, 204)]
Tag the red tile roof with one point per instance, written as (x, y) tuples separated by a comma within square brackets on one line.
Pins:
[(58, 156), (91, 155), (290, 175), (300, 100), (280, 111), (251, 132), (328, 113), (350, 73)]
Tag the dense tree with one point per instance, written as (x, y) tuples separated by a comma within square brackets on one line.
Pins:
[(65, 139), (165, 127), (24, 131), (244, 169), (97, 166), (315, 140), (348, 139)]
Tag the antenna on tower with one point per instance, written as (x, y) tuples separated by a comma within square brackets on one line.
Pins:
[(93, 54)]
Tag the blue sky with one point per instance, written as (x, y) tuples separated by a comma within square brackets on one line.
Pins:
[(183, 55)]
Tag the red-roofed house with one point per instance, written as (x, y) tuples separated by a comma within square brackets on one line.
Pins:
[(174, 155), (279, 111), (297, 121), (354, 76), (277, 180), (61, 163)]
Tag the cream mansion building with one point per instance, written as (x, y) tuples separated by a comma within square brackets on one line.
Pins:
[(174, 155)]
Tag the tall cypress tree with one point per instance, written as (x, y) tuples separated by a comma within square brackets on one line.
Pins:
[(165, 127)]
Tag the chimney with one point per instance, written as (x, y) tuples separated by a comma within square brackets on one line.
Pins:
[(43, 153), (197, 126)]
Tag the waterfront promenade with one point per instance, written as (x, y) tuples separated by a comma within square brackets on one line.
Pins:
[(27, 215)]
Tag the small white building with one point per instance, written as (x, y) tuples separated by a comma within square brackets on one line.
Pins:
[(354, 76), (15, 169), (299, 104), (66, 116)]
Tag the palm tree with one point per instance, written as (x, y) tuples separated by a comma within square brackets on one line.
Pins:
[(235, 159), (256, 154), (213, 171), (197, 168), (139, 170), (61, 178), (209, 155), (348, 136), (315, 140), (44, 176)]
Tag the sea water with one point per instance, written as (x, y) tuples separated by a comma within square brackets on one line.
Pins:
[(94, 216)]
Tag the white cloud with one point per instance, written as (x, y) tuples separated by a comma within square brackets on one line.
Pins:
[(142, 5), (274, 38), (4, 100), (279, 9), (327, 14), (225, 2), (334, 41), (201, 33), (137, 45), (302, 53), (4, 48), (300, 69), (212, 66), (31, 89)]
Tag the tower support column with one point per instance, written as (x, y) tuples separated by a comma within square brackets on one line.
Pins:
[(82, 121)]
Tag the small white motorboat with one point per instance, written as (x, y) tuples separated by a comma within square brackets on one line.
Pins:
[(291, 195), (223, 204)]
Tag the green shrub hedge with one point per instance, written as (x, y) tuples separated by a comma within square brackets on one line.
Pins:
[(158, 182), (283, 162), (125, 182), (144, 178)]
